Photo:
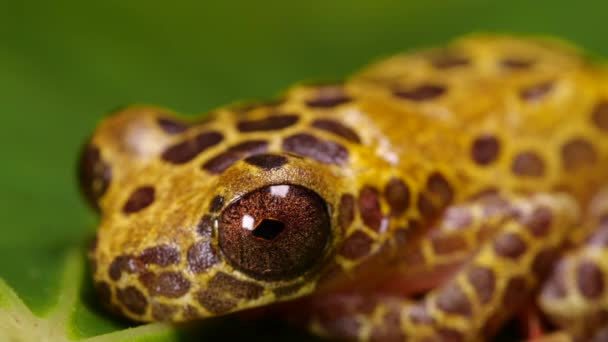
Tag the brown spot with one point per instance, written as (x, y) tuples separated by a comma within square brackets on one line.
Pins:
[(457, 218), (423, 92), (94, 175), (516, 63), (267, 161), (369, 207), (216, 204), (132, 299), (528, 164), (201, 256), (539, 221), (599, 115), (205, 226), (167, 284), (328, 97), (484, 282), (271, 123), (328, 152), (543, 262), (509, 245), (449, 335), (397, 195), (241, 289), (536, 92), (190, 312), (221, 162), (336, 128), (419, 314), (446, 244), (163, 312), (172, 126), (187, 150), (356, 245), (124, 263), (590, 280), (425, 206), (451, 299), (440, 187), (180, 153), (346, 211), (162, 255), (139, 199), (485, 149), (577, 153), (104, 292), (516, 292), (214, 302)]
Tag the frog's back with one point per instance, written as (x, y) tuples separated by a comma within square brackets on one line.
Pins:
[(493, 111)]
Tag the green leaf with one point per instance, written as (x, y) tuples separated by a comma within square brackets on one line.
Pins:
[(19, 323), (64, 64)]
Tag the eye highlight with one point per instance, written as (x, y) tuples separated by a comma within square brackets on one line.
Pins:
[(277, 232)]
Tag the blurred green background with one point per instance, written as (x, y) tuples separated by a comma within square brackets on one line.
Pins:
[(64, 64)]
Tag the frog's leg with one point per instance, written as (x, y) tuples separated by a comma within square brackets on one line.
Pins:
[(575, 297), (488, 289)]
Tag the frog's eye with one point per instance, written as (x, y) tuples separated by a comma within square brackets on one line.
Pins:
[(275, 233)]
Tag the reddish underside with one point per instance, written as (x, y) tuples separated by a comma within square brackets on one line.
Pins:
[(528, 323)]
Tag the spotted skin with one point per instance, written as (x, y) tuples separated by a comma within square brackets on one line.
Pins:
[(500, 274), (430, 197)]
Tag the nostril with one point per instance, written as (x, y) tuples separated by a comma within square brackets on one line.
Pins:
[(268, 229)]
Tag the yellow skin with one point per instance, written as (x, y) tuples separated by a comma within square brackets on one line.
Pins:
[(469, 176)]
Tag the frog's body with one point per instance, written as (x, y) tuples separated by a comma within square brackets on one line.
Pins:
[(462, 172)]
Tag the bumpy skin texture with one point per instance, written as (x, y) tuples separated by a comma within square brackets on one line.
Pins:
[(464, 173)]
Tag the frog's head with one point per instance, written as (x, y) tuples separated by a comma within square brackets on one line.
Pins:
[(198, 220)]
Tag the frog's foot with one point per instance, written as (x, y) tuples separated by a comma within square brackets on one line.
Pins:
[(490, 288), (575, 297)]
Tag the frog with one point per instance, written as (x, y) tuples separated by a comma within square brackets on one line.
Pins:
[(436, 195)]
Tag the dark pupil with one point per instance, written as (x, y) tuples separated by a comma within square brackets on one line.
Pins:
[(268, 229)]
